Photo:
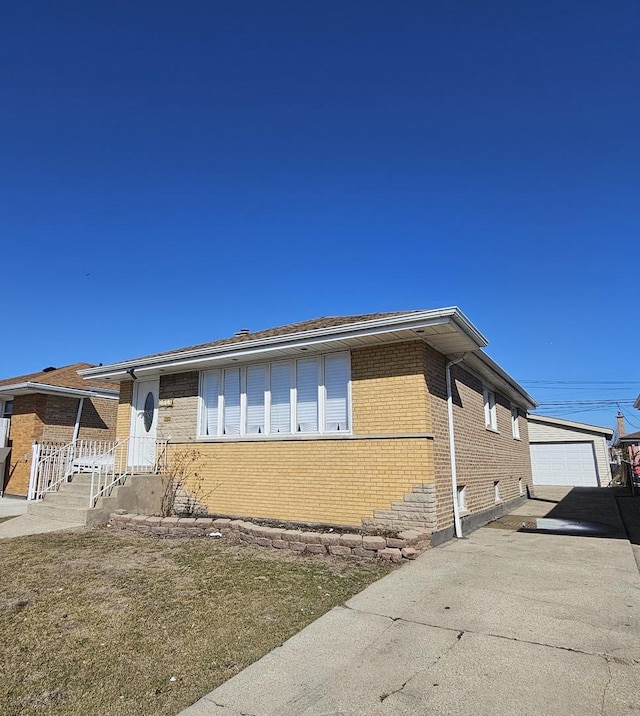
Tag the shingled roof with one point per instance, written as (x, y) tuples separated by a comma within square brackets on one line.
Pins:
[(288, 329), (64, 377)]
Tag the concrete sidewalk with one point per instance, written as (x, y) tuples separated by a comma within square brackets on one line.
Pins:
[(22, 524), (10, 506), (500, 623)]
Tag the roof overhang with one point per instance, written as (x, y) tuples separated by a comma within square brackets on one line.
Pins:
[(560, 422), (637, 403), (448, 330), (630, 438), (486, 368), (7, 392)]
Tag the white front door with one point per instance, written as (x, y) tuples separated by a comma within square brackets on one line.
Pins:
[(144, 424)]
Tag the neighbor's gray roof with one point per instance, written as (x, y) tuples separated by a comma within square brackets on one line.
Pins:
[(630, 437)]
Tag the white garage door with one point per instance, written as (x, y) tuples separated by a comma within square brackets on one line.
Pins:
[(564, 464)]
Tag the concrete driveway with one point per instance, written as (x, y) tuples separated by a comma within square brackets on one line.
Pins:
[(502, 622)]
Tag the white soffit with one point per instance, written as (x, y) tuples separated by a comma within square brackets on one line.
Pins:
[(447, 330)]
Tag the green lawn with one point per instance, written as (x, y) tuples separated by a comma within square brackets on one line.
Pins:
[(105, 623)]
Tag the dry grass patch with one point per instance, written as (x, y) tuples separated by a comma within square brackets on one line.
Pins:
[(110, 623)]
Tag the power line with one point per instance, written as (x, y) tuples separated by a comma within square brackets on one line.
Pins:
[(583, 382)]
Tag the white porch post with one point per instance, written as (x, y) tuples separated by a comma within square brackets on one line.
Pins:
[(33, 475), (76, 427)]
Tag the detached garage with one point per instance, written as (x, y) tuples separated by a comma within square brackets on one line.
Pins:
[(564, 452)]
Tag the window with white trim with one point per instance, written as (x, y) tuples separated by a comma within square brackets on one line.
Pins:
[(490, 417), (305, 396), (515, 425), (7, 409)]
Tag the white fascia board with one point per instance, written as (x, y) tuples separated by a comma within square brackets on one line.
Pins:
[(517, 389), (182, 359), (561, 422), (31, 387)]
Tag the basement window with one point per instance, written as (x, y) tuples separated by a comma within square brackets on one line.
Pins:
[(461, 496), (520, 486), (496, 491)]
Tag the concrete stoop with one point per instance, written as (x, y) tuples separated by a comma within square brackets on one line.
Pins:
[(70, 502)]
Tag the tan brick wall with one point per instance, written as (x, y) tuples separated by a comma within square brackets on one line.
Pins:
[(331, 481), (482, 456), (435, 367), (397, 390), (179, 420), (389, 390), (336, 481), (123, 412), (26, 426)]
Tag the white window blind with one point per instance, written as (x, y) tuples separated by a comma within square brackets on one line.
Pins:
[(232, 401), (336, 383), (515, 426), (301, 396), (256, 383), (211, 390), (490, 409), (280, 397), (307, 390)]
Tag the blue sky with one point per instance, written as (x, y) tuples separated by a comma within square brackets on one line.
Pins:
[(172, 172)]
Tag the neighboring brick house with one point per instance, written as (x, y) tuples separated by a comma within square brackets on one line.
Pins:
[(53, 405), (340, 420)]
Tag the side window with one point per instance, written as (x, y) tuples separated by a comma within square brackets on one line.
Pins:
[(490, 418)]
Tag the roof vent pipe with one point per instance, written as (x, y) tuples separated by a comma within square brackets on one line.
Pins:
[(243, 332)]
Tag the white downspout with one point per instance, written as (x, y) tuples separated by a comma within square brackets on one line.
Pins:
[(452, 450), (76, 427)]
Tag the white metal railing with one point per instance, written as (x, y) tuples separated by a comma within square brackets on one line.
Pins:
[(51, 464), (107, 461), (131, 456)]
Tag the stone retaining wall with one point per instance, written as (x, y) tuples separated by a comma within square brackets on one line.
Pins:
[(406, 545)]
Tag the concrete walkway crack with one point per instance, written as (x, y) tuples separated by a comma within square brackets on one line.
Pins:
[(224, 706), (383, 697), (606, 686), (470, 631)]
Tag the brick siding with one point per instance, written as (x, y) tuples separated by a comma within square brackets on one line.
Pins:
[(26, 426), (396, 465), (52, 418)]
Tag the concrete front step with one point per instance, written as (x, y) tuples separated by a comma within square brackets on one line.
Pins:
[(77, 515), (74, 488), (69, 499)]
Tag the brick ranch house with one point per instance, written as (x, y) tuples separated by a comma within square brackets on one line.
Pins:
[(397, 420), (54, 405)]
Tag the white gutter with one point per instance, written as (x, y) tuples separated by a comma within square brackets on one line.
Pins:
[(417, 319), (76, 427), (31, 387), (452, 450)]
